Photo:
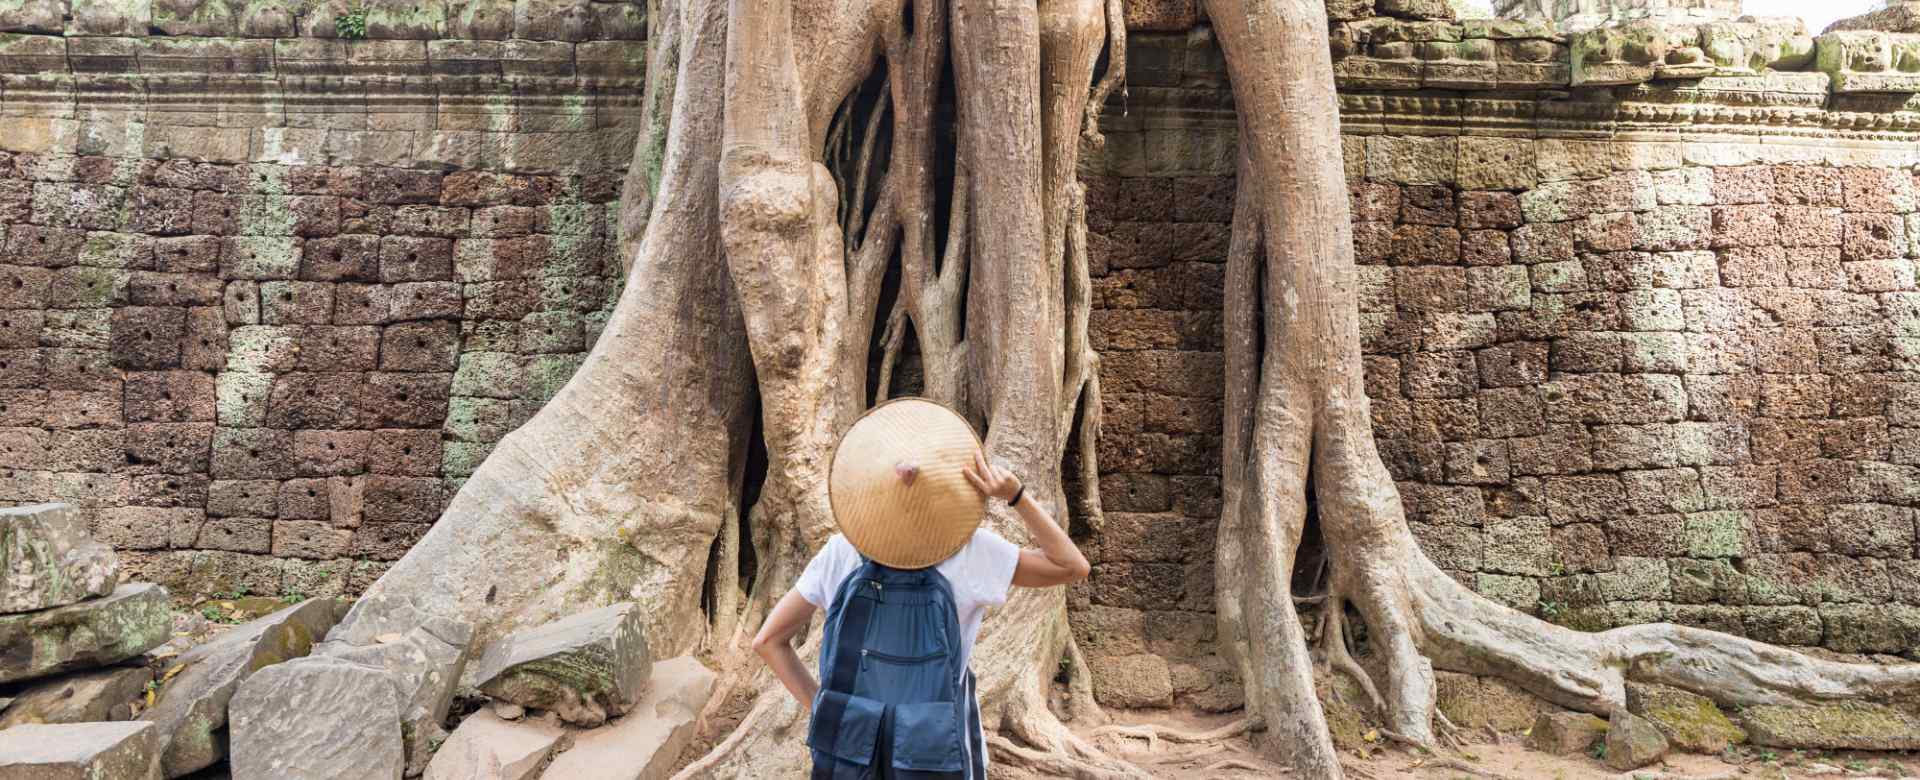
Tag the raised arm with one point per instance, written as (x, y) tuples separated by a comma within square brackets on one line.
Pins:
[(1057, 561)]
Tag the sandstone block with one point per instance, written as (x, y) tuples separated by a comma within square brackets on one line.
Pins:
[(317, 719), (586, 668), (1566, 733), (126, 623), (1690, 722), (646, 743), (1855, 725), (422, 665), (488, 747), (85, 697), (48, 560), (1632, 742), (80, 751), (190, 714)]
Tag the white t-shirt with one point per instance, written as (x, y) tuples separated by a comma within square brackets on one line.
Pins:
[(981, 573)]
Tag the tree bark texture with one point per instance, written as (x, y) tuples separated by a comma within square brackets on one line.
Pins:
[(1298, 425), (790, 226), (787, 227)]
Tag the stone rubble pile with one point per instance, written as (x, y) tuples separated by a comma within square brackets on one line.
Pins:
[(579, 698), (68, 627), (83, 692)]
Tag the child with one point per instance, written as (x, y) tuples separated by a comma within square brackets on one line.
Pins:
[(872, 506)]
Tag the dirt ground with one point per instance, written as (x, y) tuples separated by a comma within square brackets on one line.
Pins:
[(1481, 759), (1507, 760)]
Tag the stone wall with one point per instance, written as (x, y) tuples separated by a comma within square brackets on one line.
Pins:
[(264, 302), (1637, 353), (1639, 302)]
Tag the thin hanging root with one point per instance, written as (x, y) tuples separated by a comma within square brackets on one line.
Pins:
[(1333, 642), (1115, 75), (895, 336), (1083, 708), (1449, 732), (1153, 734)]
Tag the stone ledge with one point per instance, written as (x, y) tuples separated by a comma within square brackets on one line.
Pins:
[(198, 58), (553, 20)]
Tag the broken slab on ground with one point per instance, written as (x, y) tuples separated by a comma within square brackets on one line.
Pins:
[(47, 559), (1690, 721), (1632, 742), (191, 710), (1844, 725), (1566, 733), (488, 747), (316, 718), (126, 750), (424, 666), (83, 697), (586, 668), (91, 633), (643, 744)]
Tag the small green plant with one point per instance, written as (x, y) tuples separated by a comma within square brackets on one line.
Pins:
[(1598, 751), (1552, 610), (293, 597), (1557, 569), (353, 23), (1857, 765), (1768, 756)]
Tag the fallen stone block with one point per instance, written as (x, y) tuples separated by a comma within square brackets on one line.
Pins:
[(488, 747), (127, 750), (82, 697), (586, 668), (1566, 733), (48, 560), (424, 666), (643, 744), (1690, 721), (84, 635), (1632, 742), (1847, 725), (191, 711), (316, 718)]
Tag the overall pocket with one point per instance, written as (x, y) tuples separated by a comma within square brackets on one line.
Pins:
[(926, 740), (847, 729)]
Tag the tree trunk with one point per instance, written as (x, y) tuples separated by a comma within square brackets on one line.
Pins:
[(774, 190), (617, 488), (1298, 415), (782, 220)]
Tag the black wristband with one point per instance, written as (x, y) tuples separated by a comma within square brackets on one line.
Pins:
[(1017, 494)]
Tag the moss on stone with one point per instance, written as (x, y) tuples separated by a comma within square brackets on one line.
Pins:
[(1480, 702), (1690, 722), (1847, 725), (1344, 703)]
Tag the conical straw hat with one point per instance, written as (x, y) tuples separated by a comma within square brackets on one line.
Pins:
[(897, 486)]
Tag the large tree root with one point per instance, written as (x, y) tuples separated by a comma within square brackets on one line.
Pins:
[(1297, 411)]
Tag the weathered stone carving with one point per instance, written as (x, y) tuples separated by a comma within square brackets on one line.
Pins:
[(1871, 61), (47, 559)]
